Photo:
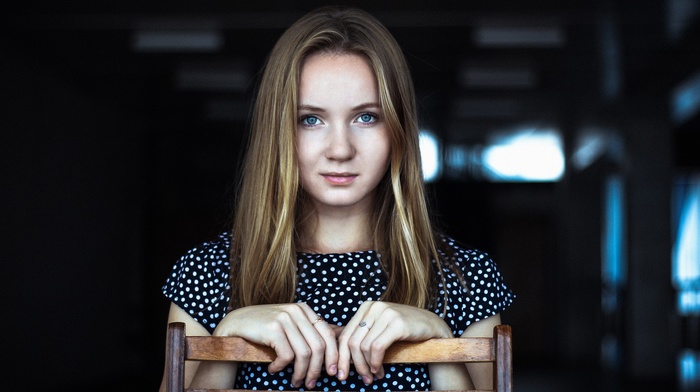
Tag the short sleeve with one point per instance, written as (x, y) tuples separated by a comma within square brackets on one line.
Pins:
[(199, 282), (473, 288)]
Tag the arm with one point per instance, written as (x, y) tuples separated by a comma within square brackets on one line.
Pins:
[(455, 376), (482, 373), (222, 373)]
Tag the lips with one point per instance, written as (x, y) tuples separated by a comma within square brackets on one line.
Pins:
[(339, 178)]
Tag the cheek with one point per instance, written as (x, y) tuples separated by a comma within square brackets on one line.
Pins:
[(302, 151), (381, 160), (384, 150)]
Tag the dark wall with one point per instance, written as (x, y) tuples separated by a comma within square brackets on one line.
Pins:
[(73, 232)]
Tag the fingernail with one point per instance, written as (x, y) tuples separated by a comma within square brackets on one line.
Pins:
[(366, 380), (341, 375), (333, 370), (373, 370), (311, 384)]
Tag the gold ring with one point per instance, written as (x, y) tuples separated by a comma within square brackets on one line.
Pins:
[(317, 320)]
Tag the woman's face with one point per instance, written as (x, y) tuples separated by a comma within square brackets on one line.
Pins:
[(342, 140)]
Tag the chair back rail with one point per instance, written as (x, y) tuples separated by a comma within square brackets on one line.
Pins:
[(497, 350), (200, 348)]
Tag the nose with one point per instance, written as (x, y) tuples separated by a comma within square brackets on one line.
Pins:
[(340, 144)]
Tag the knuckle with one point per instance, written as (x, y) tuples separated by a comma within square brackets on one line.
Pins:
[(319, 344), (286, 357), (392, 311), (276, 328), (304, 353), (283, 317), (399, 323), (343, 339), (362, 369), (378, 346), (298, 374), (298, 308), (354, 342), (313, 373), (366, 346)]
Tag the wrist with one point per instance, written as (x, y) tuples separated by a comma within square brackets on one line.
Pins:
[(227, 325), (442, 329), (445, 331)]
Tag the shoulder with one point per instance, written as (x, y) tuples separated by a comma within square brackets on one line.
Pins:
[(472, 285), (472, 266), (454, 253), (216, 249), (199, 280), (209, 255)]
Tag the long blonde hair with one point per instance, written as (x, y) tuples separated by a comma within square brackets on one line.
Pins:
[(270, 200)]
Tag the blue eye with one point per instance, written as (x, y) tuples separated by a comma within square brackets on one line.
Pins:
[(366, 118), (310, 121)]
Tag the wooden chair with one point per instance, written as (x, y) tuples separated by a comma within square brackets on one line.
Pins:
[(496, 349)]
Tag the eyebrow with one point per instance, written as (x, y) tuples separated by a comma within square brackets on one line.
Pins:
[(368, 105)]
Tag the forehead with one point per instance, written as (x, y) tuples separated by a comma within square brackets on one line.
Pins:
[(332, 55), (332, 75)]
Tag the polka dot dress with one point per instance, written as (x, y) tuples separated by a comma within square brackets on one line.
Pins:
[(334, 286)]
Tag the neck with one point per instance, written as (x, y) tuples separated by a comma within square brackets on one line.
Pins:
[(336, 233)]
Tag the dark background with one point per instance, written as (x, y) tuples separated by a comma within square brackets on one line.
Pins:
[(111, 169)]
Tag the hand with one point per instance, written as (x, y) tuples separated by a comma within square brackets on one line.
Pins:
[(294, 331), (377, 325)]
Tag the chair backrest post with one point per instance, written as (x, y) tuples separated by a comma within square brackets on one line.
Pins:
[(503, 366), (175, 358)]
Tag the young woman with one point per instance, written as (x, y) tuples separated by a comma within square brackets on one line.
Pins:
[(332, 256)]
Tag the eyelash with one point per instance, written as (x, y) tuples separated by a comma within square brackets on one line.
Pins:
[(374, 119), (304, 119)]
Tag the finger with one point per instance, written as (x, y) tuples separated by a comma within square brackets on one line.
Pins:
[(372, 343), (379, 374), (318, 336), (302, 356), (374, 347), (358, 356), (296, 327), (328, 334), (321, 339), (301, 351), (344, 354), (329, 346), (284, 353), (344, 358)]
